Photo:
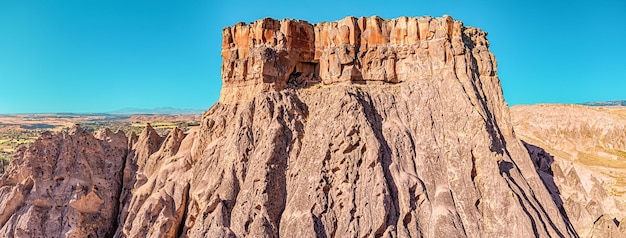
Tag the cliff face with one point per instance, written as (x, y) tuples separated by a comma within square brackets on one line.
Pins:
[(360, 127), (272, 55), (380, 127)]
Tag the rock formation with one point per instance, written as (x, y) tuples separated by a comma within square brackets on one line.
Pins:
[(270, 55), (360, 127), (579, 153), (408, 110), (160, 188), (64, 185)]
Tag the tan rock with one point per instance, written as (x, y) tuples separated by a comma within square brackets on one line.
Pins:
[(357, 128), (578, 153), (65, 184), (157, 206), (421, 146)]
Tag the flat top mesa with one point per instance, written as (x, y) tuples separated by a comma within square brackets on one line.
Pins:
[(357, 128), (272, 55)]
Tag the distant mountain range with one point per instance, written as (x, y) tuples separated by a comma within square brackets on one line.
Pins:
[(158, 110), (606, 103)]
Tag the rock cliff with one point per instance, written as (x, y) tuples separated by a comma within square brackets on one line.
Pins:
[(272, 55), (360, 127)]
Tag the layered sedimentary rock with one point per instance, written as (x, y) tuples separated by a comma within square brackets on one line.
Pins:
[(580, 154), (271, 55), (360, 127)]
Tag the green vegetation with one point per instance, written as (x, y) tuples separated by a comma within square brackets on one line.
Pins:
[(5, 158), (18, 134), (112, 125), (163, 128), (169, 125), (12, 139), (619, 153)]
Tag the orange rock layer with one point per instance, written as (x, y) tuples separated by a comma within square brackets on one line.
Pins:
[(271, 55)]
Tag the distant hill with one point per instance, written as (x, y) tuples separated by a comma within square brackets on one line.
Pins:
[(606, 103), (158, 110)]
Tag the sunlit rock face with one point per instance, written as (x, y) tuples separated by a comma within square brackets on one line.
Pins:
[(65, 185), (356, 128), (361, 127), (270, 54)]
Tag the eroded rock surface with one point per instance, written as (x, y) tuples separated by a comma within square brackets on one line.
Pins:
[(158, 200), (64, 185), (399, 129), (271, 55), (579, 153), (356, 128)]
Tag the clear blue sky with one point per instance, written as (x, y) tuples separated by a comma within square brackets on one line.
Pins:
[(98, 56)]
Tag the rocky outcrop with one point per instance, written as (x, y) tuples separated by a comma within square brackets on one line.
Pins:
[(271, 55), (64, 185), (578, 152), (387, 128), (156, 194), (360, 127)]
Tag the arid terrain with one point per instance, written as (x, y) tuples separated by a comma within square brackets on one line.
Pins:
[(591, 137), (22, 129), (581, 150), (361, 127)]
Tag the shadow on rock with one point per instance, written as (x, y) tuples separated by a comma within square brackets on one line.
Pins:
[(542, 161)]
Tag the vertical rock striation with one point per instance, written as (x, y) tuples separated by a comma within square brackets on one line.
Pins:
[(363, 127), (360, 127), (156, 202), (271, 55)]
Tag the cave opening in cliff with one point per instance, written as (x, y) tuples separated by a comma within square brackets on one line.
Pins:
[(304, 74)]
